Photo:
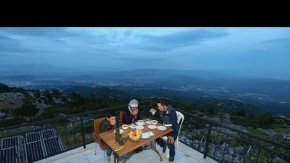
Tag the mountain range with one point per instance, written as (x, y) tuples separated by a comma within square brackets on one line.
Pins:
[(271, 95)]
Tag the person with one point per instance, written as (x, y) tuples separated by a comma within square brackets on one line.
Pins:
[(131, 114), (168, 115), (108, 123)]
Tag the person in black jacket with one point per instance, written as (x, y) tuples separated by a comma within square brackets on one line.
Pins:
[(168, 115), (107, 124)]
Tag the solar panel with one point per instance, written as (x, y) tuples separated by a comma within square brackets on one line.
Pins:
[(48, 133), (32, 137), (9, 155), (37, 145), (52, 146), (34, 151), (9, 142)]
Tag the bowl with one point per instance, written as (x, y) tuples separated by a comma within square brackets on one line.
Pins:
[(135, 135), (154, 122), (125, 126), (141, 121), (135, 140)]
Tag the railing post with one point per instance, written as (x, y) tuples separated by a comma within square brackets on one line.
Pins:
[(83, 131), (207, 140)]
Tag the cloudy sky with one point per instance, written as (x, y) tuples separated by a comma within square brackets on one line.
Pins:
[(251, 50)]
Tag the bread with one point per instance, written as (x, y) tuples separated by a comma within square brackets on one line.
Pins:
[(135, 135)]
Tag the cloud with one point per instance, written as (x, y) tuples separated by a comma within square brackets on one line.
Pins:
[(47, 40), (178, 39), (187, 48), (284, 40)]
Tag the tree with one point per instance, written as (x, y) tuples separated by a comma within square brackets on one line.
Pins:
[(55, 93), (210, 111), (265, 120), (37, 93), (28, 109), (241, 113), (77, 99), (47, 94), (3, 87)]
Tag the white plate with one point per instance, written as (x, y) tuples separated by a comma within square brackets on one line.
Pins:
[(132, 126), (121, 131), (149, 122), (167, 124), (139, 127), (145, 135), (152, 127), (161, 128)]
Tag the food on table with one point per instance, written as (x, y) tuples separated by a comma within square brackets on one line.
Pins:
[(124, 126), (135, 135), (154, 122)]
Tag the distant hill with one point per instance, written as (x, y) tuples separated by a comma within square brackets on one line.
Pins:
[(86, 91), (269, 94)]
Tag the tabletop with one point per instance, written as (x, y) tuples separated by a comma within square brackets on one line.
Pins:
[(109, 137)]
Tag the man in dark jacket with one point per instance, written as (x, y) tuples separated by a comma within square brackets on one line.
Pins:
[(168, 115), (107, 124)]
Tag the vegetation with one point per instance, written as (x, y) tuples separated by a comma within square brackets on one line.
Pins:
[(28, 109), (77, 102), (62, 104)]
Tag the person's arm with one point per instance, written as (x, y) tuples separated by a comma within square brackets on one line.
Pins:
[(157, 114)]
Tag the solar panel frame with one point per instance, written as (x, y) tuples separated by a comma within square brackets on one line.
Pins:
[(9, 155), (8, 142), (34, 151), (52, 146)]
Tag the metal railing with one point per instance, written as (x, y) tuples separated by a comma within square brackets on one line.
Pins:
[(227, 144), (73, 130), (217, 141)]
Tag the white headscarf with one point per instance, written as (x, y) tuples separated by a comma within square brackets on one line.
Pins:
[(132, 103)]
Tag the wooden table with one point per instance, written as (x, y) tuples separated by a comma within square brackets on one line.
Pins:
[(109, 138)]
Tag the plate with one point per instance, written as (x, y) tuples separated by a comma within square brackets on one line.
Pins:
[(161, 128), (121, 131), (139, 127), (152, 127), (149, 122), (145, 135), (167, 124), (132, 126)]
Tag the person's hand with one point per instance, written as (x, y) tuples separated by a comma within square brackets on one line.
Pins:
[(170, 139), (153, 111), (135, 112)]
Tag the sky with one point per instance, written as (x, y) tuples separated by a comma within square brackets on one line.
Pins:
[(255, 50)]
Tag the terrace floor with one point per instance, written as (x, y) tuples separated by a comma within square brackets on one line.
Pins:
[(184, 154)]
